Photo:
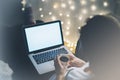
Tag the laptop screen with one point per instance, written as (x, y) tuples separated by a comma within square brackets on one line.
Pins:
[(44, 36)]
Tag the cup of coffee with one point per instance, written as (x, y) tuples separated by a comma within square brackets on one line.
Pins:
[(64, 58)]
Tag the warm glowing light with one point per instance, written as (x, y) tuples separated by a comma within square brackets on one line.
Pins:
[(40, 9), (63, 5), (105, 4), (60, 14), (23, 2), (55, 6), (67, 33), (79, 27), (68, 22), (68, 15), (83, 2), (84, 11), (69, 2), (72, 13), (41, 15), (93, 7), (75, 44), (101, 13), (68, 41), (72, 44), (43, 0), (80, 18), (71, 49), (62, 22), (53, 18), (91, 17), (68, 45), (67, 28), (50, 13), (23, 9), (72, 7)]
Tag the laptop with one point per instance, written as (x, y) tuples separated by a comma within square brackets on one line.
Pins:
[(43, 43)]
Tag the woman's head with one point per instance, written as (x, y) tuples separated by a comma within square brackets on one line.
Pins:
[(101, 43)]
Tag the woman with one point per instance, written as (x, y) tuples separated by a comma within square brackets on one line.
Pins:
[(99, 44)]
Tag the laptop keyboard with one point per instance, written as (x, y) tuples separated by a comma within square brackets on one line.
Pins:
[(50, 55)]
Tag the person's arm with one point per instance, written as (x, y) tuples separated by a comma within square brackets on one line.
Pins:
[(60, 77), (77, 62), (79, 69)]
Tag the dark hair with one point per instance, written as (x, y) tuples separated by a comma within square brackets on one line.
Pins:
[(100, 40), (39, 21), (99, 30)]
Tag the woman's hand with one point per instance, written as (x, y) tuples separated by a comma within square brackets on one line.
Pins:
[(75, 62), (60, 68)]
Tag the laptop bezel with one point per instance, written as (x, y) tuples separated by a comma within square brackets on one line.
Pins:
[(35, 25)]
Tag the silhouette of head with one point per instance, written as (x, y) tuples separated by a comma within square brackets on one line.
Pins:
[(101, 46)]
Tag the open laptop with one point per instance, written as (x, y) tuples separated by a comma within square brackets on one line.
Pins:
[(43, 42)]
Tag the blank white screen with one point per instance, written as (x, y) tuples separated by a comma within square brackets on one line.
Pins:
[(43, 36)]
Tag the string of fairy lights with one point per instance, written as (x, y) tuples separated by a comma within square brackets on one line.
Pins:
[(72, 13)]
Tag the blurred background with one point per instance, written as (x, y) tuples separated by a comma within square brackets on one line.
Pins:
[(72, 13)]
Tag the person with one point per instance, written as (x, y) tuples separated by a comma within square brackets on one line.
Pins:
[(99, 44), (74, 69)]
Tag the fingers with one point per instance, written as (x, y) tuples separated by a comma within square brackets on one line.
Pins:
[(74, 58), (57, 62), (71, 56), (73, 61), (60, 64)]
